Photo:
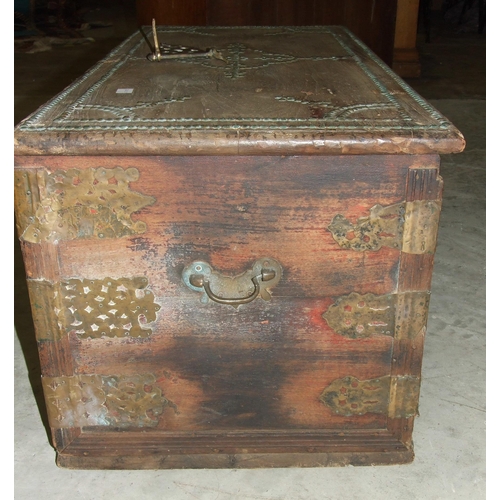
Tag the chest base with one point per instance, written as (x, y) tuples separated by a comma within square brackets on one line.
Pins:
[(92, 450)]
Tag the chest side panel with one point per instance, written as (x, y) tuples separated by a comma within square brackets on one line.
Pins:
[(314, 351)]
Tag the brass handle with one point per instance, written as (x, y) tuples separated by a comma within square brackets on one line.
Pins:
[(265, 273), (198, 281)]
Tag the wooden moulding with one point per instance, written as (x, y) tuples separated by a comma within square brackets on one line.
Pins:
[(244, 460), (153, 450), (296, 113)]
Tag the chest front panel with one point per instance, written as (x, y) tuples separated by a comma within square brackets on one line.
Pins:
[(310, 348), (228, 238)]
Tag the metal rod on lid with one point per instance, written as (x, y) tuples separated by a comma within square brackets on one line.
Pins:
[(155, 37)]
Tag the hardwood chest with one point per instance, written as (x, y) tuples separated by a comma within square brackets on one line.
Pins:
[(228, 236)]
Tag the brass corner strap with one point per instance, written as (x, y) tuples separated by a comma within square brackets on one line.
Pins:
[(410, 227), (394, 396), (421, 226)]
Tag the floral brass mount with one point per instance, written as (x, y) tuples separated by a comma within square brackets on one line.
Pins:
[(90, 400), (402, 315), (234, 291), (107, 308), (395, 396), (78, 203), (358, 316), (410, 227)]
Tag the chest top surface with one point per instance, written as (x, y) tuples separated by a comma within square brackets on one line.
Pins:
[(238, 91)]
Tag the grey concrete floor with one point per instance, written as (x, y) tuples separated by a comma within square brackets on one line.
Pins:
[(449, 437)]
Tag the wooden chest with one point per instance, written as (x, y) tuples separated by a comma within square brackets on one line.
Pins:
[(229, 250)]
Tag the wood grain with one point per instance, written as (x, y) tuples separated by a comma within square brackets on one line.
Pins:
[(224, 372)]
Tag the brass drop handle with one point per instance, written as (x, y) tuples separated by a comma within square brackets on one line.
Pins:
[(200, 277), (198, 281)]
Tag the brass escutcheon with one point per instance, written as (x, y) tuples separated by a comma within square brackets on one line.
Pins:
[(234, 291)]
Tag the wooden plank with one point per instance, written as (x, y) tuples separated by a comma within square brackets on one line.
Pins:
[(219, 370), (229, 450)]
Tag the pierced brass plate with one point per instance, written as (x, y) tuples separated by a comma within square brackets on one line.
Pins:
[(122, 307)]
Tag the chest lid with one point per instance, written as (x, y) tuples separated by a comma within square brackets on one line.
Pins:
[(238, 91)]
